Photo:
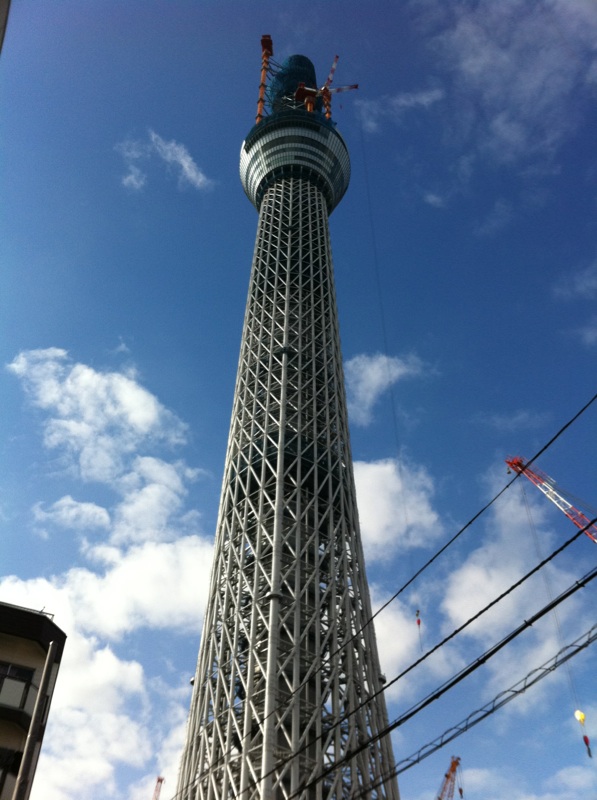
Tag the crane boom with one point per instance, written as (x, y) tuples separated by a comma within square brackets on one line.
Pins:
[(158, 787), (547, 486), (446, 791)]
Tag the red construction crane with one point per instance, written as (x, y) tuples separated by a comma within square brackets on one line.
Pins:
[(547, 486), (326, 92), (446, 791), (158, 788)]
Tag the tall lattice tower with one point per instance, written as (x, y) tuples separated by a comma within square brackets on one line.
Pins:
[(287, 659)]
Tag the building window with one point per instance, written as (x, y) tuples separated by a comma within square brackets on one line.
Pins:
[(10, 763), (15, 684)]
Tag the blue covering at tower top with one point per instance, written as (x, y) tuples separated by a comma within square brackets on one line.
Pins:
[(294, 70)]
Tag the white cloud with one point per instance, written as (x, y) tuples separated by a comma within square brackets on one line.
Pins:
[(395, 507), (566, 784), (505, 555), (516, 539), (574, 781), (172, 153), (97, 418), (400, 643), (102, 713), (85, 749), (434, 200), (154, 493), (155, 585), (581, 285), (135, 179), (422, 99), (177, 154), (69, 513), (368, 377)]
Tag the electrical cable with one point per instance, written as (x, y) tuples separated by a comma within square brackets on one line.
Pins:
[(458, 630), (454, 680), (384, 330), (562, 657), (416, 663), (460, 676)]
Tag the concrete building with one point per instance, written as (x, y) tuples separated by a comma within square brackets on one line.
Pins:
[(31, 647), (288, 699)]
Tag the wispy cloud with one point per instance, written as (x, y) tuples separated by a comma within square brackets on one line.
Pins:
[(521, 419), (581, 284), (395, 106), (566, 784), (499, 217), (519, 94), (577, 286), (369, 376), (505, 554), (174, 154), (435, 200), (588, 332), (179, 157)]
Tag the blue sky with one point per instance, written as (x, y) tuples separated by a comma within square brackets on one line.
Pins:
[(466, 266)]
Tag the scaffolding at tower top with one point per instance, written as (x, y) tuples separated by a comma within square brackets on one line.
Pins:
[(293, 85)]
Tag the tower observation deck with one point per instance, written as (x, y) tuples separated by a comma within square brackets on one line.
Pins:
[(288, 658)]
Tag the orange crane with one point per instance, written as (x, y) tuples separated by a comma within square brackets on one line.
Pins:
[(446, 791), (547, 486)]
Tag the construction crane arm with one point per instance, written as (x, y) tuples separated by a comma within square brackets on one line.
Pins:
[(446, 791), (547, 485)]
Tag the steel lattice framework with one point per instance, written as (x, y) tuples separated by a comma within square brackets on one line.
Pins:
[(287, 656)]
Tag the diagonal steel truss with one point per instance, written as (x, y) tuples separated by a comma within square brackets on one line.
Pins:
[(288, 586)]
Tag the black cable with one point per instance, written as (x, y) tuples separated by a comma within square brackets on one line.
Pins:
[(466, 526), (444, 641), (460, 676), (533, 677), (416, 663), (472, 619)]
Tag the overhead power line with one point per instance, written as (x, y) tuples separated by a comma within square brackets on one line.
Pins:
[(434, 649), (562, 656), (437, 693), (534, 676), (460, 676)]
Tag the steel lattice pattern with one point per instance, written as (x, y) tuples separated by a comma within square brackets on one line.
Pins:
[(288, 583)]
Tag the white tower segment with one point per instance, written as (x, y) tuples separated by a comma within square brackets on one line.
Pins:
[(278, 696)]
